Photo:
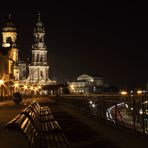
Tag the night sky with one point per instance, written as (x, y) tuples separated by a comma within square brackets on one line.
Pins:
[(104, 39)]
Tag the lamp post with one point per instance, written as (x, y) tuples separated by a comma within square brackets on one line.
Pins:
[(16, 87), (35, 91), (124, 94), (72, 88), (140, 93), (1, 83)]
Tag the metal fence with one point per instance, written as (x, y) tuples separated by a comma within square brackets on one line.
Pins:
[(130, 111)]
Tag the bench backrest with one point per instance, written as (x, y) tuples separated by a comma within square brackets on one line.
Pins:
[(24, 125), (40, 130)]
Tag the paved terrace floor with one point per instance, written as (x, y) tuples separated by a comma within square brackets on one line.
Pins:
[(81, 131)]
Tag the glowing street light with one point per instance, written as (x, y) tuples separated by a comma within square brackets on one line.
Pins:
[(35, 90), (93, 105), (25, 87), (72, 87), (1, 82), (139, 92), (16, 86), (31, 88), (39, 88), (123, 93), (90, 102)]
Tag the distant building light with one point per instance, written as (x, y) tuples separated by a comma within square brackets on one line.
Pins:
[(90, 102), (139, 92), (123, 93), (145, 102), (93, 105), (140, 112), (126, 105), (72, 87)]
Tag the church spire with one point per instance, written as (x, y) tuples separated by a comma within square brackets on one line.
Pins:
[(9, 17), (39, 17), (39, 28)]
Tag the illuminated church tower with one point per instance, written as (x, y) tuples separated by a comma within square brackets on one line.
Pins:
[(9, 37), (38, 69)]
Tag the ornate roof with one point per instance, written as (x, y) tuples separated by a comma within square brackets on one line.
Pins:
[(39, 25), (9, 25), (86, 77)]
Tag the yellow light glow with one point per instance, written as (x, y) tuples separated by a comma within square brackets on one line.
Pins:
[(36, 89), (1, 82), (16, 84), (123, 93), (139, 92), (31, 87), (72, 87), (25, 87), (39, 87)]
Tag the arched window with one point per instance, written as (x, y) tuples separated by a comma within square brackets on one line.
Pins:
[(41, 59), (41, 74), (37, 57), (9, 40)]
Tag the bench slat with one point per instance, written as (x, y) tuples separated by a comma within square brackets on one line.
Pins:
[(39, 127)]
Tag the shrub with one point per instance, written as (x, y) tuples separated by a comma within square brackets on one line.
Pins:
[(17, 98)]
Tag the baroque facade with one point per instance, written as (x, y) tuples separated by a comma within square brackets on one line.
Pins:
[(9, 68), (13, 71), (9, 37), (39, 68)]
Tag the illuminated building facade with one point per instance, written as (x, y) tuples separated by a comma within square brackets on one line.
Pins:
[(9, 69), (38, 69), (86, 84), (9, 37)]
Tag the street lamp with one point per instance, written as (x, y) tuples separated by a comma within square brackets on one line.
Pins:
[(35, 90), (123, 96), (39, 88), (31, 89), (139, 92), (142, 109), (1, 83), (72, 88), (16, 86), (123, 93)]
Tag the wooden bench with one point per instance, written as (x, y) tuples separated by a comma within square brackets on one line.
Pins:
[(39, 127), (22, 124)]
